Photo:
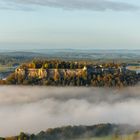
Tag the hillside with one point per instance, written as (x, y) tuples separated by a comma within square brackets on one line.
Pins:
[(95, 132)]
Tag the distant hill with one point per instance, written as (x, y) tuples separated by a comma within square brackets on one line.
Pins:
[(71, 54), (100, 131), (22, 53)]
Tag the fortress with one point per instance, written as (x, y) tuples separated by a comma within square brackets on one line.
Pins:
[(95, 75), (51, 73)]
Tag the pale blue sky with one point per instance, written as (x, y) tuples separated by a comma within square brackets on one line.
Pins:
[(94, 24)]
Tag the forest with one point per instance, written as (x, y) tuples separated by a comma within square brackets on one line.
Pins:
[(99, 132)]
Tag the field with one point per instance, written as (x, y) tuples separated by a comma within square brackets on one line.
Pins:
[(5, 68), (135, 68)]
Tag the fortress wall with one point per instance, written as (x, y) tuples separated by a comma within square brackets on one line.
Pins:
[(44, 73)]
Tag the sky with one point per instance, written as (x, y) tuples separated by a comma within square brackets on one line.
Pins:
[(70, 24)]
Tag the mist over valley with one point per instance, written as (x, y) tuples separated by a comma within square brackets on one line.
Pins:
[(32, 109)]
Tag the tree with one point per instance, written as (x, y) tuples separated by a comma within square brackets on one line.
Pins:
[(32, 65), (11, 79)]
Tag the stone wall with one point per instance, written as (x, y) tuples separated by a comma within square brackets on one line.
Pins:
[(49, 73)]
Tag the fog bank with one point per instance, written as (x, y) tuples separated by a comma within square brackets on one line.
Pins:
[(32, 109)]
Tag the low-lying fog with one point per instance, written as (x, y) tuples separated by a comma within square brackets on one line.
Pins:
[(32, 109)]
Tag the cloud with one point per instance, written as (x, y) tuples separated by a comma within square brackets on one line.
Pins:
[(94, 5), (32, 109), (11, 5)]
